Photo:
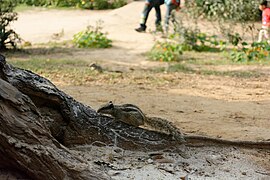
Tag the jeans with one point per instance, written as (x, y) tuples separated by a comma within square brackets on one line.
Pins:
[(169, 14), (147, 8)]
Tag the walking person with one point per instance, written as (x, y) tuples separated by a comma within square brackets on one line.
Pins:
[(149, 5), (170, 6), (264, 32)]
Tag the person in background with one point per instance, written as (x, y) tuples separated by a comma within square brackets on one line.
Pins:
[(264, 32), (149, 4), (171, 5)]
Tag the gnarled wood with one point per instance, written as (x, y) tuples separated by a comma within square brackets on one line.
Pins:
[(38, 121)]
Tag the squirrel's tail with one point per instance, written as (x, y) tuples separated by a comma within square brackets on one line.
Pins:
[(165, 126)]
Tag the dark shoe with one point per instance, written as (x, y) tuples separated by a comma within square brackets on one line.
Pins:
[(140, 29)]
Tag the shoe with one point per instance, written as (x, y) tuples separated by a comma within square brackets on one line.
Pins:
[(140, 29)]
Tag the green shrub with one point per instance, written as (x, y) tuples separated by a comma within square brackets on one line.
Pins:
[(228, 15), (249, 53), (8, 37), (92, 37), (166, 51), (85, 4), (240, 10), (118, 3), (63, 3), (197, 41), (35, 2), (101, 4)]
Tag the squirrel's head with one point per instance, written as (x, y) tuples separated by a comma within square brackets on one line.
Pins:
[(106, 109)]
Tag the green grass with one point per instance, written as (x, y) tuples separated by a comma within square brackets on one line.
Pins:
[(73, 72), (185, 68), (48, 64), (214, 58), (180, 67), (56, 61), (24, 7), (239, 74), (76, 72)]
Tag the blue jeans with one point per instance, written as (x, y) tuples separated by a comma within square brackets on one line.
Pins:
[(147, 8), (169, 14)]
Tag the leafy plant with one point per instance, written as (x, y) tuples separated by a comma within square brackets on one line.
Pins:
[(85, 4), (240, 11), (197, 41), (118, 3), (227, 15), (92, 37), (8, 37), (253, 52), (193, 39), (166, 51)]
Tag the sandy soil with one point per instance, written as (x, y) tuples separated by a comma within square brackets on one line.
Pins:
[(231, 108)]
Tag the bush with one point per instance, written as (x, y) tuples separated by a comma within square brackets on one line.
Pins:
[(166, 51), (85, 4), (8, 37), (249, 53), (228, 14), (196, 40), (92, 37), (118, 3), (241, 10), (191, 38), (36, 2)]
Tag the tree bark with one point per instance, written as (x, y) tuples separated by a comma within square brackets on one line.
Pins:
[(39, 122)]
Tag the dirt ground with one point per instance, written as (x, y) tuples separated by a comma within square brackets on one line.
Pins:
[(216, 106)]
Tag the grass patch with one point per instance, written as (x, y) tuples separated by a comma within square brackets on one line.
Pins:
[(180, 67), (206, 58), (58, 70), (68, 72), (239, 74), (24, 7), (47, 64)]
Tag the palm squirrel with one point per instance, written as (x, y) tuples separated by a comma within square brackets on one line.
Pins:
[(133, 115)]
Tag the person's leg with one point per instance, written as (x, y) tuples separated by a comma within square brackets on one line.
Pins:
[(266, 34), (144, 17), (158, 18), (169, 10), (263, 34)]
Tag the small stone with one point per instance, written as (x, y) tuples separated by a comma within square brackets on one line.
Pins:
[(118, 150), (113, 173)]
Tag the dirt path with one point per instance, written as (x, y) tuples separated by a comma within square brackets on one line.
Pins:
[(38, 26)]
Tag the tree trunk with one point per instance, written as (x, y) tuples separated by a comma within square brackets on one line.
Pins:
[(39, 122)]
